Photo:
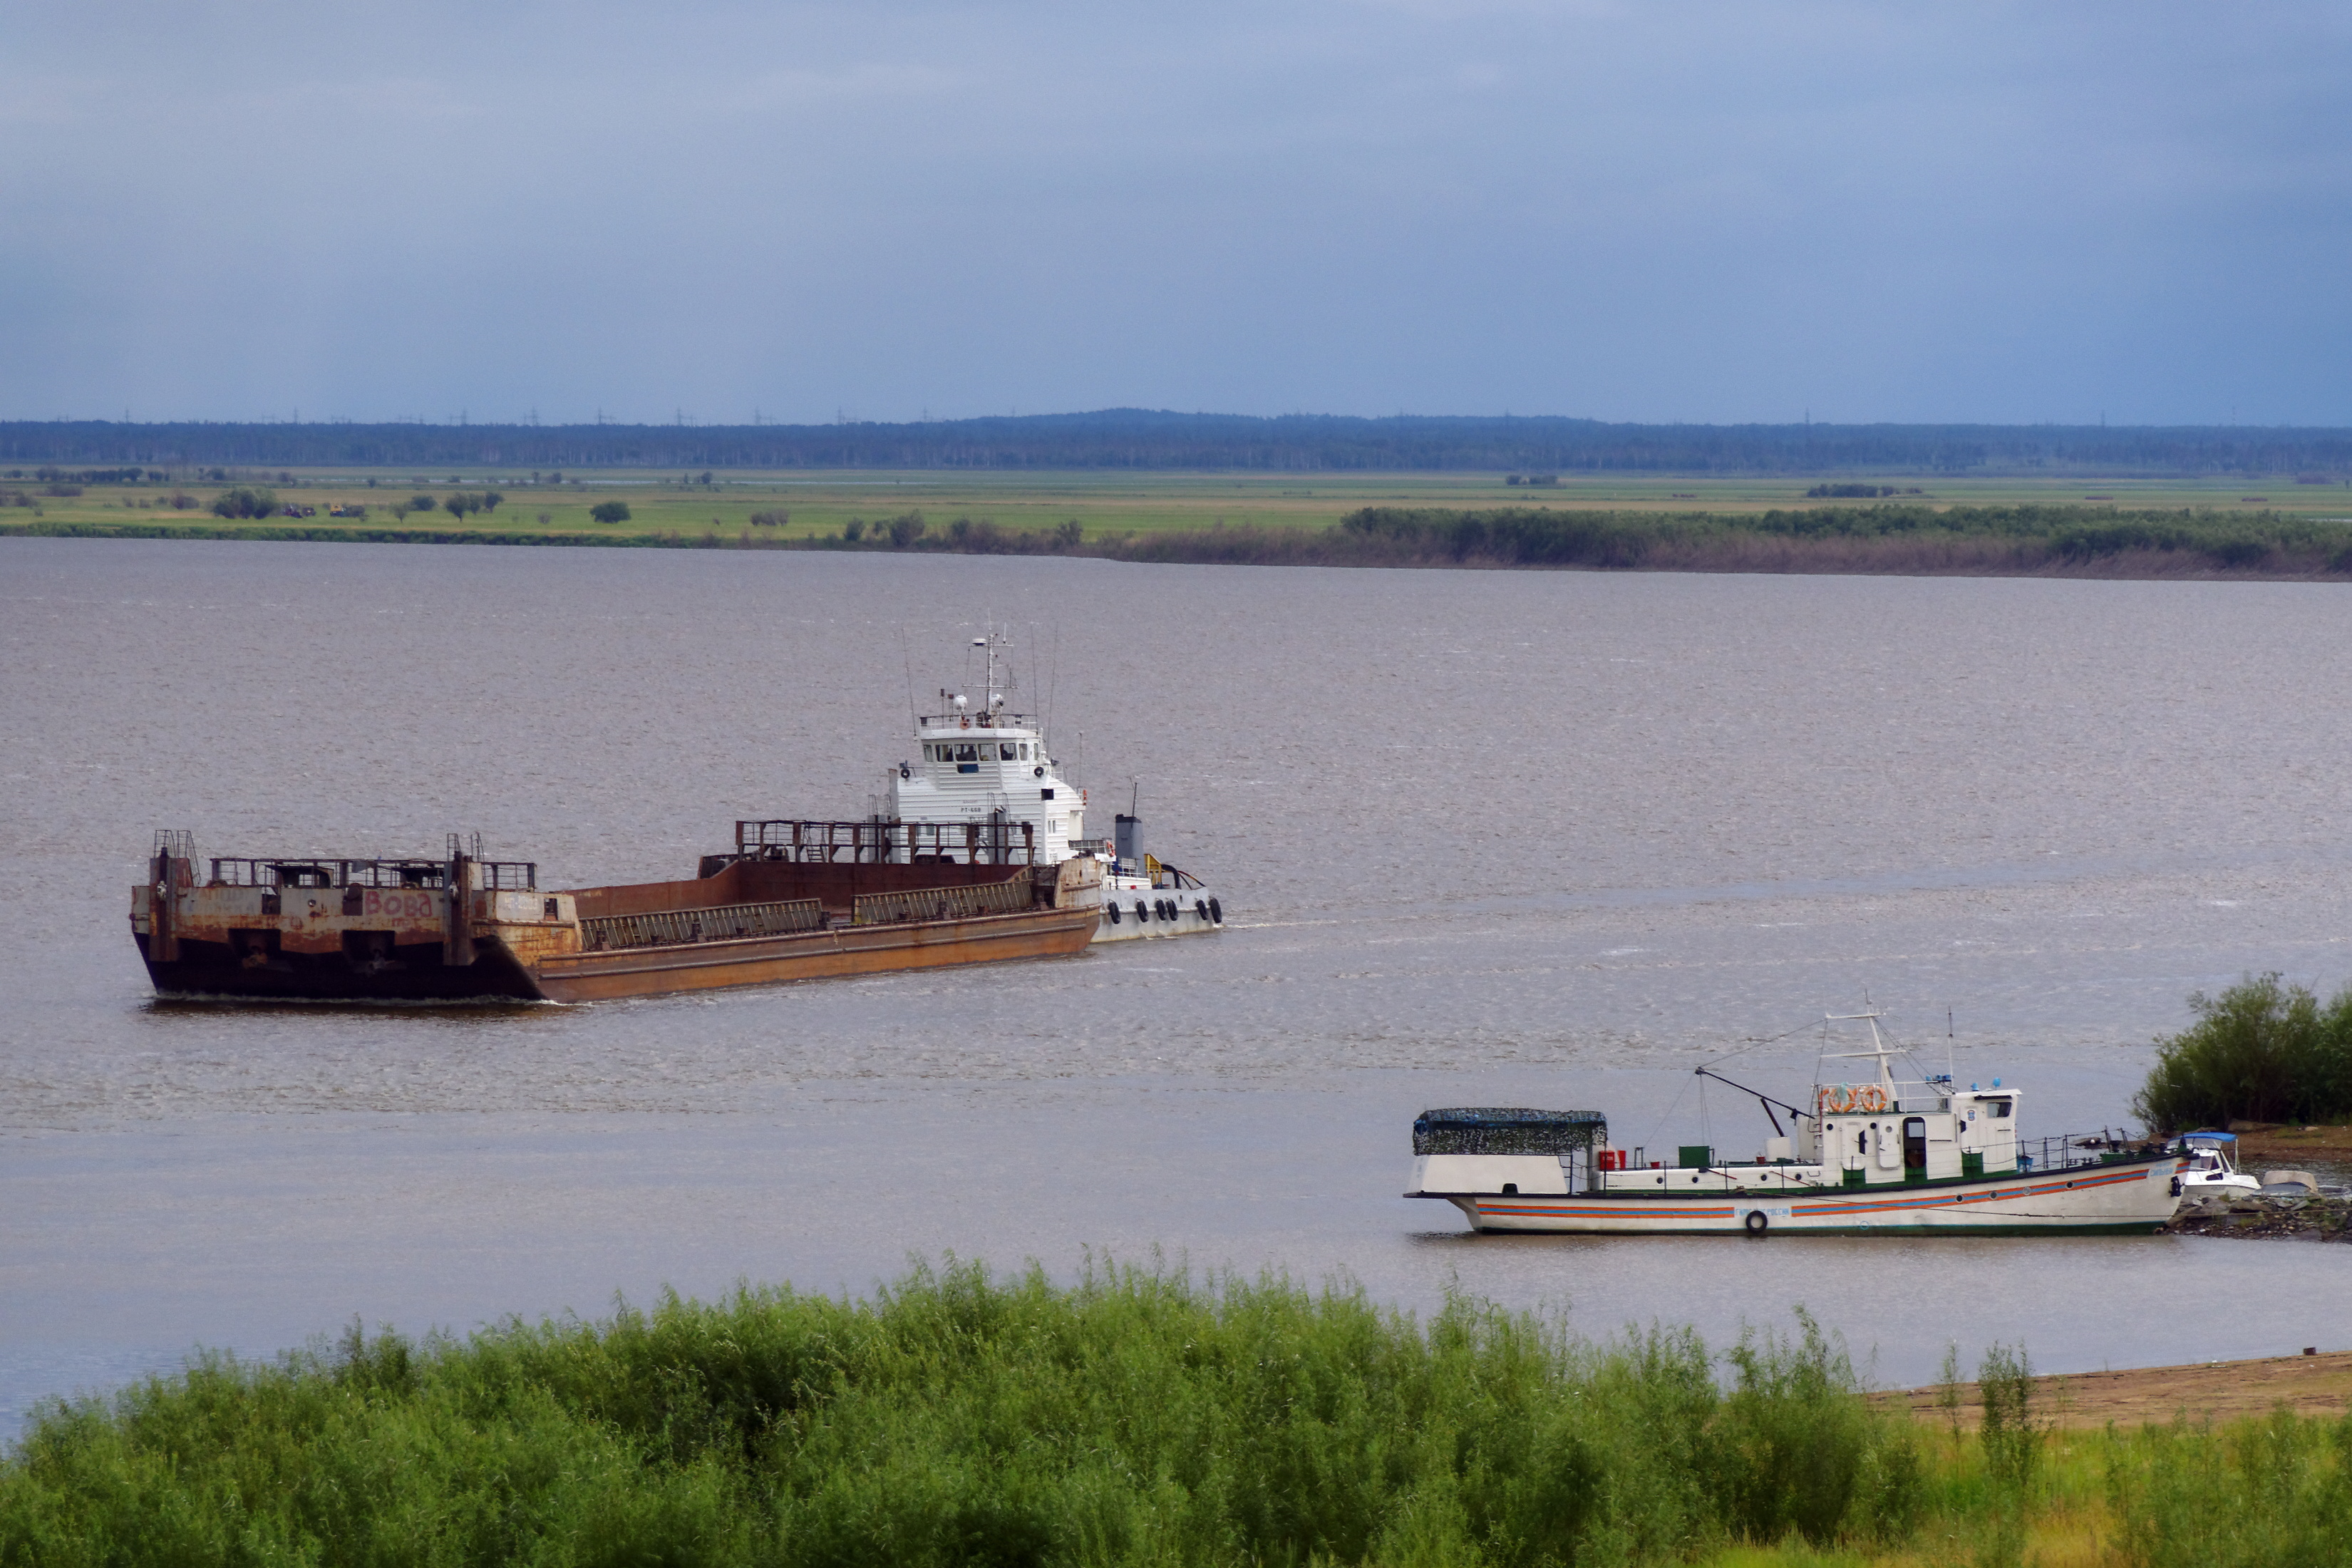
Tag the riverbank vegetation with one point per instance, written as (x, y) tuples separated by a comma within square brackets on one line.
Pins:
[(1133, 1417), (2259, 1051), (1899, 537)]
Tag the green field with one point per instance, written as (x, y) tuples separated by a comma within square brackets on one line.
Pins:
[(1104, 505)]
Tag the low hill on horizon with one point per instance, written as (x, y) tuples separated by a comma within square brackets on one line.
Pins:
[(1147, 439)]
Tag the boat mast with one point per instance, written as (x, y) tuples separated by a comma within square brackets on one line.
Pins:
[(996, 691), (1879, 1050)]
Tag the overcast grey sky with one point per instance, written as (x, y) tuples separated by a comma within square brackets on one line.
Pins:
[(1666, 211)]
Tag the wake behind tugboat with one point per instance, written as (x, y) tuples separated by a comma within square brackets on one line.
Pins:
[(1877, 1157)]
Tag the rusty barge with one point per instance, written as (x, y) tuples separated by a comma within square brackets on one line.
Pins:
[(792, 900)]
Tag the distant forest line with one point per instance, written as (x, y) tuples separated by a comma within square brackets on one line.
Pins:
[(1890, 540), (1143, 440)]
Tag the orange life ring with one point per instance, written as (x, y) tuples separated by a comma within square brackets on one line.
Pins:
[(966, 723), (1871, 1098)]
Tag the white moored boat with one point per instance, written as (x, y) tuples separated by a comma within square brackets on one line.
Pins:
[(983, 765), (2208, 1169), (1874, 1157)]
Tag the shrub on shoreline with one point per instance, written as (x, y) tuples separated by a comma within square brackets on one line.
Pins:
[(246, 502), (2259, 1051)]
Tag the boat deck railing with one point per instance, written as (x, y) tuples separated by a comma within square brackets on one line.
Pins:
[(260, 871), (876, 841), (2072, 1150), (981, 719)]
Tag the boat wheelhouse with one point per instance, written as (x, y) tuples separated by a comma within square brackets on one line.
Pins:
[(979, 762), (1867, 1154)]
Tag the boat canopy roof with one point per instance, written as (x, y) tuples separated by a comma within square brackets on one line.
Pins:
[(1507, 1130)]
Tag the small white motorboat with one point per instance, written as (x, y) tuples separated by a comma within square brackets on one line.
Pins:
[(2209, 1168)]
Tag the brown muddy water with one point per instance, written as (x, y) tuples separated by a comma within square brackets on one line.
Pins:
[(1543, 838)]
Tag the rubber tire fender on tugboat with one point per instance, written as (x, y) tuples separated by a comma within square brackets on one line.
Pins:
[(1216, 915), (1141, 912), (1112, 909), (1757, 1222), (1040, 770), (1201, 908)]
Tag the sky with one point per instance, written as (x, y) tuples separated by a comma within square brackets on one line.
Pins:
[(795, 212)]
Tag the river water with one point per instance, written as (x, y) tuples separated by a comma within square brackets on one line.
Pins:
[(1482, 837)]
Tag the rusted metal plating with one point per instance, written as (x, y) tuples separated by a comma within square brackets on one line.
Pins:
[(466, 928)]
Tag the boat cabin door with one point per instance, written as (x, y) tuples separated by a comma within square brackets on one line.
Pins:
[(1915, 1148)]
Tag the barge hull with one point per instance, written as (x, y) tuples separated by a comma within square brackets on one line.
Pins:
[(813, 955), (413, 973), (468, 931)]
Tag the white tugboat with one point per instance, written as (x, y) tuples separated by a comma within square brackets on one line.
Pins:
[(979, 763), (1144, 896), (1874, 1157)]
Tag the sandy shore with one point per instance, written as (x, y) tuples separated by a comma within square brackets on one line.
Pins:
[(2221, 1391)]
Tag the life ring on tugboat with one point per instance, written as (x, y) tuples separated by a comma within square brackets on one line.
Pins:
[(966, 723), (1757, 1222), (1870, 1097)]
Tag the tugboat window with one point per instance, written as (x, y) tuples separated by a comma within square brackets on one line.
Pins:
[(1005, 752), (964, 753)]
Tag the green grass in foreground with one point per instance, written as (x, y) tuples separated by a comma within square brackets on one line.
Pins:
[(1134, 1418)]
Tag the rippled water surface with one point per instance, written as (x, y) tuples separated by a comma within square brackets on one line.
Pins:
[(1483, 838)]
